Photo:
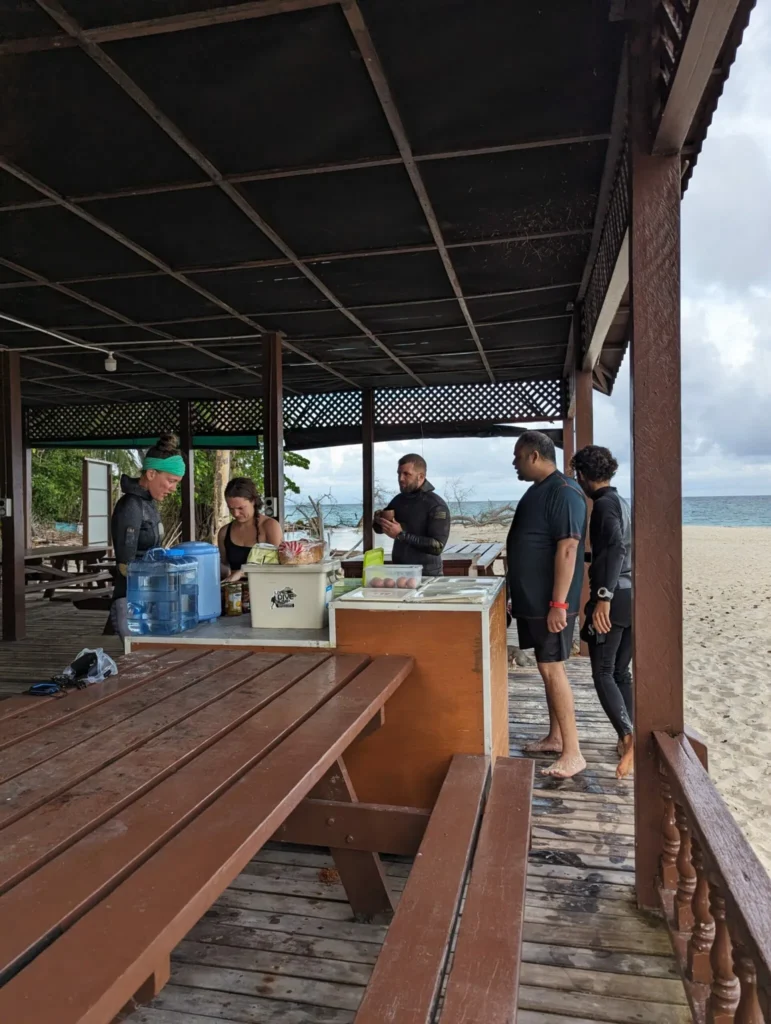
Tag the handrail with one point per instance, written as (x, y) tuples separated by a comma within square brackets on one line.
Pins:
[(715, 893)]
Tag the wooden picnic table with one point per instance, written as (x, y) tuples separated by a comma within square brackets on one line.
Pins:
[(463, 559), (48, 569), (127, 808)]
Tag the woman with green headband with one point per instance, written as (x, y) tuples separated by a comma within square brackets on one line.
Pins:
[(136, 519)]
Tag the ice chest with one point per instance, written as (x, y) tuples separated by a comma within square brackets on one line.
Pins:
[(290, 596)]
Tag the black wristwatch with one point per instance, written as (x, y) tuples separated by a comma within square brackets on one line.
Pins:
[(604, 594)]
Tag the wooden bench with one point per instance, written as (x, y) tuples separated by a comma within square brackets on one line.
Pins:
[(483, 977)]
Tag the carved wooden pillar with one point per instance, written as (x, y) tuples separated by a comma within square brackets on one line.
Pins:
[(748, 1011), (686, 875), (724, 996), (670, 836), (703, 934)]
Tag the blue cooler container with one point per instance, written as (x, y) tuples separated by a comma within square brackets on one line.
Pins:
[(209, 594)]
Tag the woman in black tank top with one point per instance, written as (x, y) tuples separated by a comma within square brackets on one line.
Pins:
[(248, 528)]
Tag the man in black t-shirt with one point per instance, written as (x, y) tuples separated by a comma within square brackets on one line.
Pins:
[(545, 552)]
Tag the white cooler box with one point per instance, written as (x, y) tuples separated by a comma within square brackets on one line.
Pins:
[(290, 596)]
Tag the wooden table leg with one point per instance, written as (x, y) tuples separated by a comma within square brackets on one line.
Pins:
[(361, 873)]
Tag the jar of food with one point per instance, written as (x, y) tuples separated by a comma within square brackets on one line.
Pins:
[(233, 599), (246, 604)]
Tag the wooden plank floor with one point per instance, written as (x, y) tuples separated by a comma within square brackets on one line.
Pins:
[(56, 633), (280, 945)]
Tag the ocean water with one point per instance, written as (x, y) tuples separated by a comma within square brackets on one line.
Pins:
[(712, 511)]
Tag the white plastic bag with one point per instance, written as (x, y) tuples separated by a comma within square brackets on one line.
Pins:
[(101, 667)]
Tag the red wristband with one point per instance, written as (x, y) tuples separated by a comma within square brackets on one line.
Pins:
[(559, 604)]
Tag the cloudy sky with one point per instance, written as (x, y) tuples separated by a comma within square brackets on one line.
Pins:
[(726, 326)]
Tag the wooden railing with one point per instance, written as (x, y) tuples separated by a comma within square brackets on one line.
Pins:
[(715, 894)]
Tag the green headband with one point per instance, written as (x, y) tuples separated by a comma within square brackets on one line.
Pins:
[(174, 464)]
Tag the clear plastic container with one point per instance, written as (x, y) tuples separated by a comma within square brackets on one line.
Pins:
[(390, 577), (162, 593), (209, 591)]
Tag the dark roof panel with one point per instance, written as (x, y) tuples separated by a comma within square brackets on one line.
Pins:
[(264, 93)]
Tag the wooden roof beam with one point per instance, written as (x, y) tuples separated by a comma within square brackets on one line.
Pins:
[(619, 281), (332, 257), (382, 88), (163, 26), (301, 172), (707, 32)]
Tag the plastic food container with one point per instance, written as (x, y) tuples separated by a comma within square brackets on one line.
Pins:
[(290, 596), (390, 577)]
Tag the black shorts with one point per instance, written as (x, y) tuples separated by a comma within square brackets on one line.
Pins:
[(549, 647)]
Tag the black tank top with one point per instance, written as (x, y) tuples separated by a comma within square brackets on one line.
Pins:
[(237, 554)]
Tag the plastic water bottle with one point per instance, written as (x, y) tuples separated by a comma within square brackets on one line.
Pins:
[(187, 582), (162, 593), (209, 590)]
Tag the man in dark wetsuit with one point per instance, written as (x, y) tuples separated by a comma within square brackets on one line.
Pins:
[(419, 520), (545, 552), (608, 626)]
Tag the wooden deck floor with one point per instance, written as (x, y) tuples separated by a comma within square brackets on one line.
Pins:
[(280, 946), (56, 632)]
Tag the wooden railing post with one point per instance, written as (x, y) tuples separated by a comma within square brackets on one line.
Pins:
[(724, 996), (703, 934), (670, 835), (748, 1011), (686, 876)]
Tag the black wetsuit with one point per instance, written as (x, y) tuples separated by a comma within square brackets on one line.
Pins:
[(425, 521), (136, 528), (610, 531)]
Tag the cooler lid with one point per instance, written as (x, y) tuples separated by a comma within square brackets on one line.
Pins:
[(255, 568)]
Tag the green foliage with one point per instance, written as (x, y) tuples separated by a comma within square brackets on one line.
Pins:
[(57, 480)]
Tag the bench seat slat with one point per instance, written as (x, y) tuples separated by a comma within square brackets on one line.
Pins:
[(484, 977), (405, 984)]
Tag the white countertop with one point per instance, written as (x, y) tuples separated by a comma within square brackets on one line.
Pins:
[(237, 631)]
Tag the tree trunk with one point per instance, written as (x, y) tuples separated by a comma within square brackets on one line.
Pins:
[(221, 478)]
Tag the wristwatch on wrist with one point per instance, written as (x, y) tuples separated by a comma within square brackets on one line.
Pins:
[(604, 594)]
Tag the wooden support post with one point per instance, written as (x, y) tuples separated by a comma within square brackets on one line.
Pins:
[(657, 619), (361, 873), (273, 422), (585, 435), (568, 444), (188, 481), (368, 464), (12, 473), (27, 497)]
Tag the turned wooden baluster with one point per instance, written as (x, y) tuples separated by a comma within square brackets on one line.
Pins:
[(724, 995), (686, 880), (748, 1011), (669, 834), (703, 934)]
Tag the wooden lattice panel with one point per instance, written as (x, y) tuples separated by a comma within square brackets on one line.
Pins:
[(100, 422), (337, 409), (505, 402), (227, 416), (611, 239)]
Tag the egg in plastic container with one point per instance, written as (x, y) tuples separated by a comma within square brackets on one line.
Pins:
[(393, 577)]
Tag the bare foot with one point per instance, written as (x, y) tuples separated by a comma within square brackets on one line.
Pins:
[(548, 745), (565, 767), (626, 764), (620, 748)]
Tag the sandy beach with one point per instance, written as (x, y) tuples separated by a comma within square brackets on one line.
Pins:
[(727, 655)]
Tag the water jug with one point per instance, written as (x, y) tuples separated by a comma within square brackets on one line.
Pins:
[(162, 593), (188, 588), (209, 595)]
